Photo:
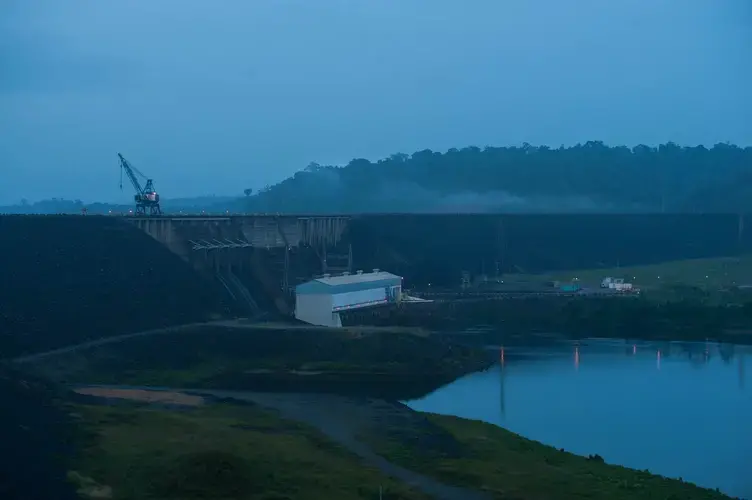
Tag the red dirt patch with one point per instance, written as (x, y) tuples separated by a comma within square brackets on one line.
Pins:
[(176, 398)]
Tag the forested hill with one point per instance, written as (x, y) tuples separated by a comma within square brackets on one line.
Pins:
[(590, 177), (583, 178)]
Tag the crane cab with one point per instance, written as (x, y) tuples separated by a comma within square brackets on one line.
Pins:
[(152, 197)]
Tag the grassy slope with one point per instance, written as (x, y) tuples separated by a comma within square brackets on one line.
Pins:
[(512, 467), (67, 280), (217, 356), (34, 439), (712, 273), (225, 451), (218, 452)]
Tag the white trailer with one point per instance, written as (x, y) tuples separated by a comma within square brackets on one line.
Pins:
[(616, 284)]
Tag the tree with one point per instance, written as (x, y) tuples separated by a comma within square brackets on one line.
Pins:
[(667, 177), (247, 191)]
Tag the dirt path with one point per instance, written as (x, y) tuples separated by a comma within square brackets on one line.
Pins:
[(174, 397), (339, 418), (239, 323)]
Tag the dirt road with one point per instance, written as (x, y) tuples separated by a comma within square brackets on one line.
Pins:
[(237, 323), (340, 419)]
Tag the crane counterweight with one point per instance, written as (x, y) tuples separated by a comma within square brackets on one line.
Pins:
[(146, 198)]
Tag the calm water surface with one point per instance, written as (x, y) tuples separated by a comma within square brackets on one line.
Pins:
[(677, 409)]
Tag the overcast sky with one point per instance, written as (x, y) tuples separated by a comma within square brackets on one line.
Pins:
[(212, 97)]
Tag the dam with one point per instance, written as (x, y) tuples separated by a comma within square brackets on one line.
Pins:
[(133, 273), (438, 248)]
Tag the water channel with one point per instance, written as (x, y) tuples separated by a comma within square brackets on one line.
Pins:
[(680, 409)]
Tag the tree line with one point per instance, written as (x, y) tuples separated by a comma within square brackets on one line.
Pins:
[(586, 177), (589, 177)]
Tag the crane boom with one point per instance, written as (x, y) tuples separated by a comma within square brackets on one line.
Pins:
[(146, 197), (130, 172)]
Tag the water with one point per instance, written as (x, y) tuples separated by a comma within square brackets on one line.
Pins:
[(676, 409)]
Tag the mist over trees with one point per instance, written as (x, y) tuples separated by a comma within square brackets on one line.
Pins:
[(586, 178), (590, 177)]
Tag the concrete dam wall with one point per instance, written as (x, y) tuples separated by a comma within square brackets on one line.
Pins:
[(68, 279), (437, 248)]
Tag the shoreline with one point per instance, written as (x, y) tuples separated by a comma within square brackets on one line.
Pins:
[(312, 406), (382, 362), (411, 446)]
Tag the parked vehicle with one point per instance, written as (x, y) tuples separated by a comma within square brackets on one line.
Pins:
[(616, 284)]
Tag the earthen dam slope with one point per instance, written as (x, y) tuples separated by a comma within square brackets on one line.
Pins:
[(437, 248), (68, 279)]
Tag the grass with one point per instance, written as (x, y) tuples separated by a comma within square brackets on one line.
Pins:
[(511, 467), (706, 273), (236, 358), (223, 451), (355, 330), (217, 452)]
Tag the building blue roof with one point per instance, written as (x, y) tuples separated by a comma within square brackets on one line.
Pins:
[(348, 283)]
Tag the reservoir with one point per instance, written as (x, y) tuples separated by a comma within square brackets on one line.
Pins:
[(679, 409)]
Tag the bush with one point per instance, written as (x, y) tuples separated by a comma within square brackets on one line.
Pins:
[(207, 474)]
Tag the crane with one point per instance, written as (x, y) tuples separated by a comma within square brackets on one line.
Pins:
[(146, 198)]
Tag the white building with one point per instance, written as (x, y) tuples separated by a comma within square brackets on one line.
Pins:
[(319, 302)]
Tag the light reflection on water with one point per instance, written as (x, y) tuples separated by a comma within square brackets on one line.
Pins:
[(680, 409)]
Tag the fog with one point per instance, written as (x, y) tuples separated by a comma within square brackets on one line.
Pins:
[(211, 98)]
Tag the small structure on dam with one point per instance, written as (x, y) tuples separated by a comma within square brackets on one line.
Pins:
[(320, 301)]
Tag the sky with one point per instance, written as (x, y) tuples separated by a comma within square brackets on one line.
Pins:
[(214, 97)]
